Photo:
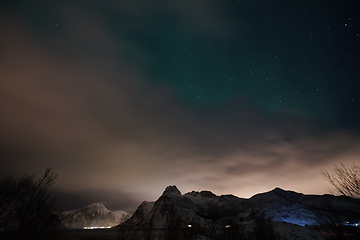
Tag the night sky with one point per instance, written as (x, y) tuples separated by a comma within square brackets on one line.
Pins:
[(123, 98)]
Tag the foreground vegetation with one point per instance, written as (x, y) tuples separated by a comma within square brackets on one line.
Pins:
[(26, 207)]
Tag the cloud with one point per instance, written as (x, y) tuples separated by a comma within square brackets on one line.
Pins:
[(107, 130)]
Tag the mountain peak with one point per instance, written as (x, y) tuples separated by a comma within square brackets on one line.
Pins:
[(207, 194), (172, 190), (96, 205), (277, 189)]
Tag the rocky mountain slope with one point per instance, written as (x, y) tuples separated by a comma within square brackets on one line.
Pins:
[(301, 209), (277, 205), (95, 215), (220, 214), (200, 207)]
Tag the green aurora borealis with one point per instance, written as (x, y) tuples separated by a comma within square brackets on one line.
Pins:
[(125, 97)]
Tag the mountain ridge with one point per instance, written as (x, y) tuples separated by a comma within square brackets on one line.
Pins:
[(284, 213), (277, 204)]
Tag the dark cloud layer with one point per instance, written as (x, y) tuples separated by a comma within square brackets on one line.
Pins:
[(80, 100)]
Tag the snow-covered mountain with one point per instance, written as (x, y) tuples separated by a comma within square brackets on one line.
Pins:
[(200, 207), (277, 205), (301, 209), (95, 215), (207, 211)]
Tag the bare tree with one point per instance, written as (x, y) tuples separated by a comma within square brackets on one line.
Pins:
[(26, 207), (345, 179)]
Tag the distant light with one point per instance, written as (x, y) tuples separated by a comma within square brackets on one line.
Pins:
[(102, 227), (227, 226), (189, 225)]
